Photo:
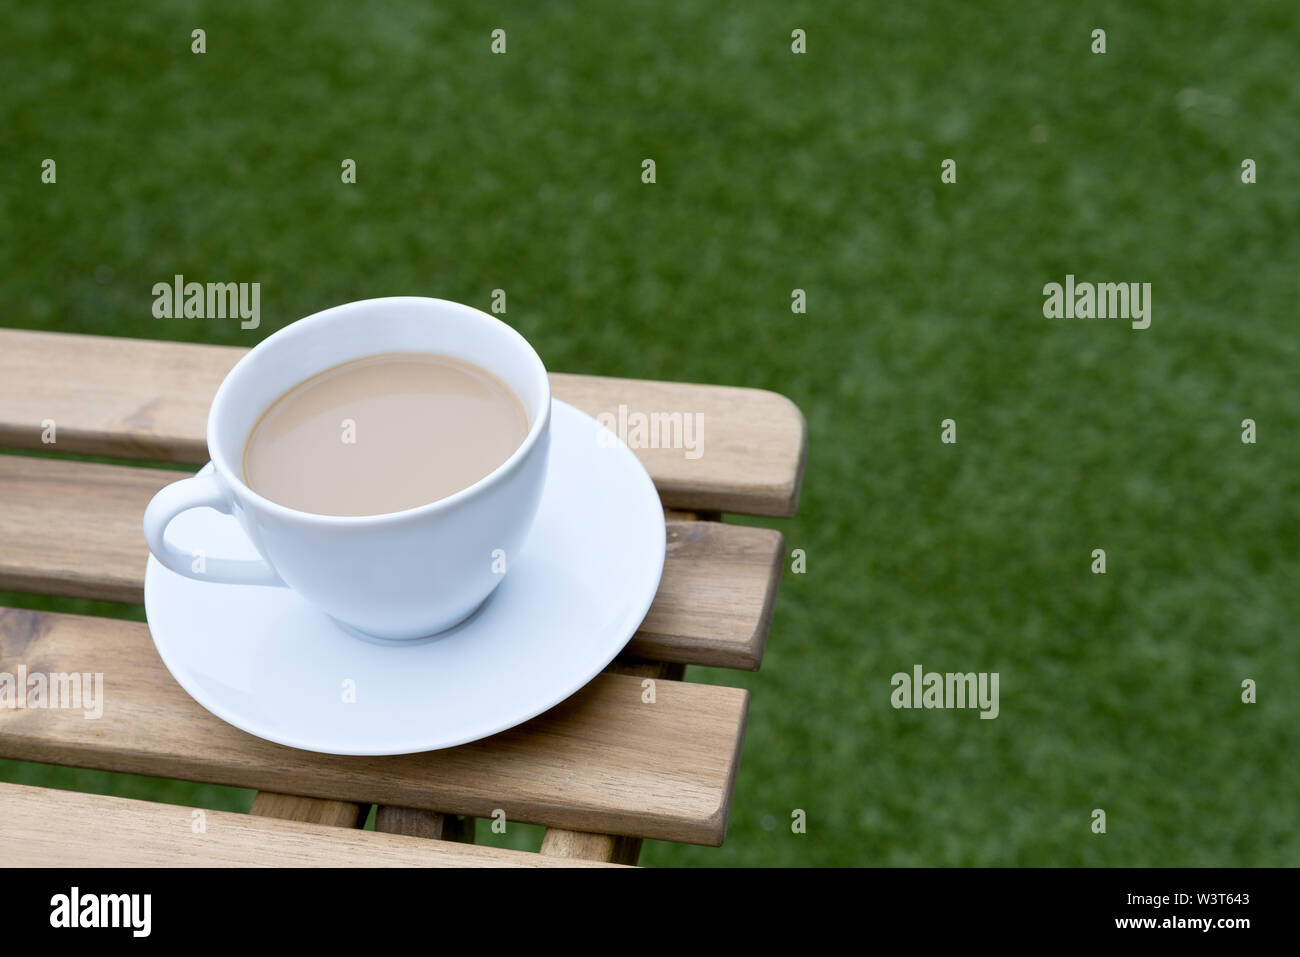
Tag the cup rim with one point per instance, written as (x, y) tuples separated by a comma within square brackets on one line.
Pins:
[(245, 494)]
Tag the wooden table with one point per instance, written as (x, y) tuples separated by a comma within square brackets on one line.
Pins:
[(601, 771)]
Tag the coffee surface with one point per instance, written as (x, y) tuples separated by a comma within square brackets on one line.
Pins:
[(383, 434)]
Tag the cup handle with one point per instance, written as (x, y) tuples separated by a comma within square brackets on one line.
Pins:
[(204, 490)]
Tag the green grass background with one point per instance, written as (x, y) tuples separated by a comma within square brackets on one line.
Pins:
[(817, 171)]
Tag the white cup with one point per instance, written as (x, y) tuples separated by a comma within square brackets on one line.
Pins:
[(399, 575)]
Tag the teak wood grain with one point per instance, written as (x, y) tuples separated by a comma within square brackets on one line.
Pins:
[(45, 828), (414, 822), (602, 761), (293, 807), (580, 846), (614, 848), (138, 398), (74, 529)]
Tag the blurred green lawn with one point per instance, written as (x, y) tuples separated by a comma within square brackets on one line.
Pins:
[(820, 171)]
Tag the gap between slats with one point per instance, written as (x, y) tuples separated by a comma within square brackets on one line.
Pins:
[(74, 529)]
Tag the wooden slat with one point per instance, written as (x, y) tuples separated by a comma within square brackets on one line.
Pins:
[(46, 828), (414, 822), (715, 600), (579, 846), (73, 528), (601, 761), (147, 399), (293, 807), (754, 441), (611, 848)]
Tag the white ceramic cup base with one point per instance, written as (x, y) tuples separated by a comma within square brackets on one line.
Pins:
[(266, 661), (403, 574), (380, 640)]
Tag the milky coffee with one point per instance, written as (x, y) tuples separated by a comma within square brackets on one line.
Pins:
[(383, 434)]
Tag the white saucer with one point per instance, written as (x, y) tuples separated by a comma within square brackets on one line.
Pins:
[(265, 661)]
